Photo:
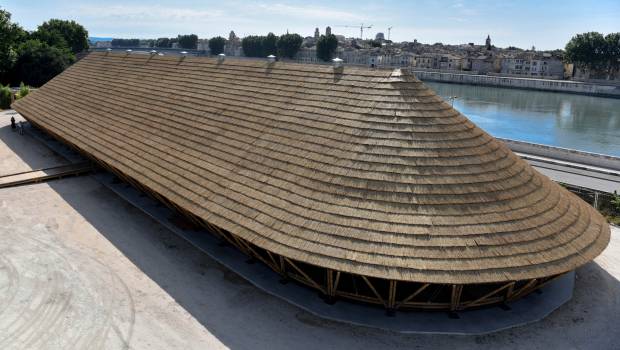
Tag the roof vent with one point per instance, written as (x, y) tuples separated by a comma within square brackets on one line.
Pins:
[(337, 62), (221, 57), (271, 58)]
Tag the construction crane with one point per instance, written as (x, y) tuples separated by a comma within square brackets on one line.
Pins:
[(389, 31), (361, 27)]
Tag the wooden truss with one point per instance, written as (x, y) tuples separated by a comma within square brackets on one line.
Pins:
[(332, 285)]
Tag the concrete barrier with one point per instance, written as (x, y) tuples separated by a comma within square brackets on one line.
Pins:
[(564, 154), (575, 87)]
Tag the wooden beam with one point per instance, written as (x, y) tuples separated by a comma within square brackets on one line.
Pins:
[(337, 281), (310, 280), (510, 290), (413, 295), (521, 291), (457, 290), (391, 304), (273, 261), (329, 282), (486, 296), (374, 291)]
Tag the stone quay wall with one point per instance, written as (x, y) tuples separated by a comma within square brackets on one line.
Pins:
[(574, 87)]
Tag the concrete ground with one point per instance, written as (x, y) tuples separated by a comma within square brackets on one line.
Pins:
[(82, 269)]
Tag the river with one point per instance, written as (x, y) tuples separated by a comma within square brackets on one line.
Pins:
[(585, 123)]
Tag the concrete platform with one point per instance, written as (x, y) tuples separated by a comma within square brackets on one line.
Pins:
[(526, 310), (80, 268)]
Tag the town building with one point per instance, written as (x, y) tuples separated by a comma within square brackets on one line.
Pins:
[(534, 65)]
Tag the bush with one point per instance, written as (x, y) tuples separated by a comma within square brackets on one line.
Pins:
[(615, 202), (5, 97), (24, 90)]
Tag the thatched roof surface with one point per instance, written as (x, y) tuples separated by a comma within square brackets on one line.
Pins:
[(363, 171)]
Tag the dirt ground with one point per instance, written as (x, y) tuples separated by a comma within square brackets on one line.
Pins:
[(82, 269)]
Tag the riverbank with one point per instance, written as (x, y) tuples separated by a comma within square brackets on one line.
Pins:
[(572, 87)]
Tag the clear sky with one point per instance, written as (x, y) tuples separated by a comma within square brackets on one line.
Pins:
[(544, 24)]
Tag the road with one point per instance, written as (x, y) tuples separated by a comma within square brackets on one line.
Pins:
[(593, 178)]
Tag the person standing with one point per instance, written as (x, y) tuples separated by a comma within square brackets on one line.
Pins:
[(13, 123)]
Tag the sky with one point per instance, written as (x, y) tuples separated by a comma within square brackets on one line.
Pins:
[(545, 24)]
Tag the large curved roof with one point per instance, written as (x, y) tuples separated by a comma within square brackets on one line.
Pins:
[(358, 170)]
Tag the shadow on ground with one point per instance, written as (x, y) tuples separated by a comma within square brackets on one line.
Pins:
[(36, 157), (243, 317)]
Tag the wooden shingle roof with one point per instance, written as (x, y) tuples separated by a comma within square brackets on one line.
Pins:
[(358, 170)]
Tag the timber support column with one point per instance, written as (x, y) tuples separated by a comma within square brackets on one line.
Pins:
[(390, 310), (284, 277), (330, 282)]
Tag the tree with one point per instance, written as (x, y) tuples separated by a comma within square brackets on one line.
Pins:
[(189, 42), (75, 36), (270, 43), (163, 43), (594, 51), (260, 46), (11, 35), (289, 45), (586, 51), (37, 62), (216, 45), (253, 46), (326, 47), (612, 53)]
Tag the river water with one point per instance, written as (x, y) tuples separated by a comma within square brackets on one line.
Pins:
[(585, 123)]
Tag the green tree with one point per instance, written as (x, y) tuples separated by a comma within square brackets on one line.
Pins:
[(189, 42), (270, 45), (253, 46), (37, 62), (216, 45), (163, 43), (594, 51), (11, 35), (55, 31), (586, 50), (612, 53), (326, 47), (289, 45)]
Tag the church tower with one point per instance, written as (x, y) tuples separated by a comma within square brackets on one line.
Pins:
[(488, 42)]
